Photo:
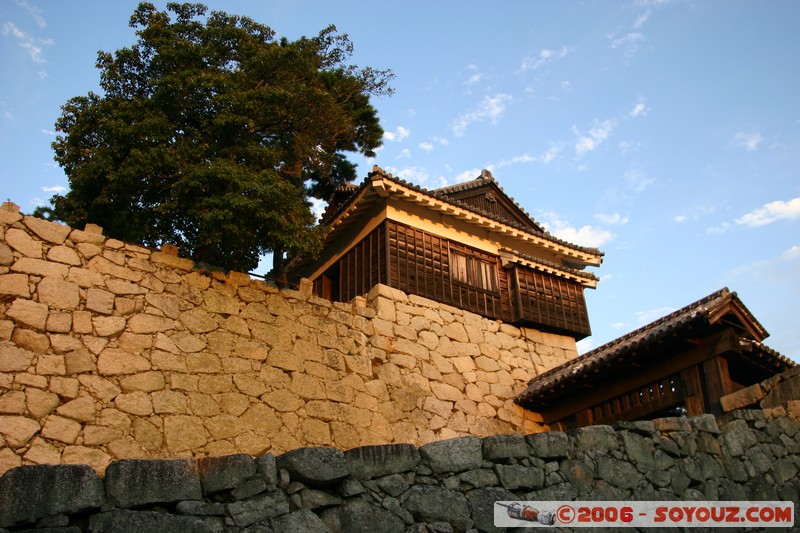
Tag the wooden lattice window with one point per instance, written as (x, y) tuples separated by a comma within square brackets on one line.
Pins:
[(473, 271)]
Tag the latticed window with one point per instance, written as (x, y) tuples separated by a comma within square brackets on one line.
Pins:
[(473, 271)]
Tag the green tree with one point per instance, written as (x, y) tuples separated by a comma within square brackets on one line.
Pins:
[(211, 134)]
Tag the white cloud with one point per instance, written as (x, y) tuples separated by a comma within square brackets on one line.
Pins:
[(318, 207), (49, 132), (34, 11), (638, 110), (422, 177), (680, 218), (426, 147), (584, 236), (641, 19), (475, 77), (638, 180), (718, 230), (596, 135), (490, 109), (544, 57), (630, 39), (611, 218), (398, 135), (771, 212), (645, 317), (30, 44), (54, 189), (750, 141), (777, 269)]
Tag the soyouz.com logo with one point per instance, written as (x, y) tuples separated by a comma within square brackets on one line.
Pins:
[(643, 514)]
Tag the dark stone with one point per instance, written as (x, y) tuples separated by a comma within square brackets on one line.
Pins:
[(619, 473), (393, 484), (708, 443), (552, 445), (482, 477), (514, 477), (302, 521), (367, 462), (737, 437), (28, 493), (249, 488), (132, 482), (357, 516), (350, 487), (783, 470), (577, 473), (783, 393), (706, 422), (226, 472), (645, 428), (197, 508), (481, 503), (605, 491), (596, 439), (267, 468), (125, 521), (561, 492), (667, 445), (317, 467), (639, 449), (453, 455), (435, 504), (674, 423), (318, 500), (269, 505), (393, 505), (498, 447)]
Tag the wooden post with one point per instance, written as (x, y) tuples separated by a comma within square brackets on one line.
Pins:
[(693, 391), (718, 383)]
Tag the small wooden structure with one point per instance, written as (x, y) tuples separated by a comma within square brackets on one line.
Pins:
[(682, 363), (469, 245)]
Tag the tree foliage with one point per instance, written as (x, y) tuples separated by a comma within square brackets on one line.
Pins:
[(211, 134)]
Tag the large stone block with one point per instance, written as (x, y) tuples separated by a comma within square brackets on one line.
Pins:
[(28, 313), (435, 504), (315, 466), (552, 445), (221, 473), (453, 455), (58, 293), (367, 462), (18, 430), (259, 508), (29, 493), (504, 447), (125, 521), (358, 516), (52, 232), (14, 359), (133, 482), (14, 285)]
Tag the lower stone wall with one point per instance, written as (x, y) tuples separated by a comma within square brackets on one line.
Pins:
[(109, 350), (444, 486)]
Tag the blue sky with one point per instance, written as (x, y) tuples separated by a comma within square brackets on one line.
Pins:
[(664, 132)]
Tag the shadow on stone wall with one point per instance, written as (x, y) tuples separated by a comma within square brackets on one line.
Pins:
[(449, 485)]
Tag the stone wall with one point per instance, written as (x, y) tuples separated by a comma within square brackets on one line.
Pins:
[(445, 486), (110, 350)]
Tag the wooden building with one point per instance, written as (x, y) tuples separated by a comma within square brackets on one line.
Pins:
[(682, 363), (469, 245)]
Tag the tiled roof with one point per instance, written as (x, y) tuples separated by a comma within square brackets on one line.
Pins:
[(442, 194), (582, 366)]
